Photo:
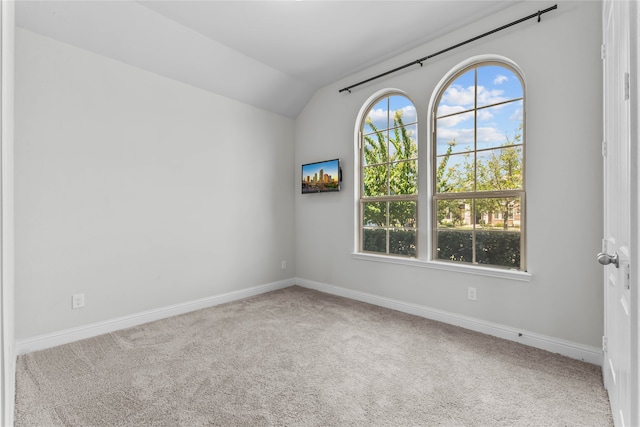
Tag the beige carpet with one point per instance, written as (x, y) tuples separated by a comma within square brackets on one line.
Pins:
[(297, 357)]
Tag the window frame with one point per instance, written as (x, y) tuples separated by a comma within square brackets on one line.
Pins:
[(387, 198), (439, 92)]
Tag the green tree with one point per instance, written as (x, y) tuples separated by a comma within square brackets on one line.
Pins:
[(502, 170), (390, 169), (499, 169), (451, 180)]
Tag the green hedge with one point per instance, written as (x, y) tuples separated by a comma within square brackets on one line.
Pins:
[(401, 242), (496, 247)]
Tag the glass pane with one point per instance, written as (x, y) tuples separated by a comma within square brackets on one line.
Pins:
[(375, 149), (374, 214), (499, 169), (404, 177), (498, 247), (403, 111), (403, 144), (497, 84), (402, 242), (498, 231), (454, 213), (375, 180), (402, 214), (455, 173), (500, 125), (455, 134), (378, 117), (454, 230), (374, 240), (498, 213), (454, 245), (459, 95)]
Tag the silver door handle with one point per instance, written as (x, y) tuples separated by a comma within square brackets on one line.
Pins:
[(606, 259)]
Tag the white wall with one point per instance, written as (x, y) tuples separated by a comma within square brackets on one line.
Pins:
[(560, 58), (139, 191)]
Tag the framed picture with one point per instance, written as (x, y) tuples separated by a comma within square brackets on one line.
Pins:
[(321, 177)]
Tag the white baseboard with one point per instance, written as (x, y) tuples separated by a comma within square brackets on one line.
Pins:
[(45, 341), (555, 345)]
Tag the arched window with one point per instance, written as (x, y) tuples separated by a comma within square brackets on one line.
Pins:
[(388, 177), (478, 167)]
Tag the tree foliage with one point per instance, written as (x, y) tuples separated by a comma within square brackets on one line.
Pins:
[(493, 170), (497, 169), (391, 168)]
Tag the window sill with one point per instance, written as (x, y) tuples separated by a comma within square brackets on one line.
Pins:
[(522, 276)]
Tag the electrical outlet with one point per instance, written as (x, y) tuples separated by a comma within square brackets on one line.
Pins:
[(471, 294), (77, 301), (283, 265)]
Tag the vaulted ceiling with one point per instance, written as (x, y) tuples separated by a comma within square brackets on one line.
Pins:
[(271, 54)]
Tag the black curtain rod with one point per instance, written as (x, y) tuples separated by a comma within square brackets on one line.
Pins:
[(421, 60)]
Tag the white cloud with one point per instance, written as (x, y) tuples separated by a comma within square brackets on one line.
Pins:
[(379, 116), (517, 115), (457, 95), (409, 114), (464, 137), (500, 79), (445, 110), (484, 115), (490, 134), (451, 121), (461, 136), (487, 97)]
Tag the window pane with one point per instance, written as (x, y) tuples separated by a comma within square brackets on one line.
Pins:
[(375, 180), (479, 147), (497, 84), (498, 231), (500, 125), (497, 213), (378, 117), (374, 240), (404, 177), (375, 148), (454, 230), (455, 134), (402, 242), (455, 173), (402, 214), (454, 245), (402, 108), (454, 213), (498, 247), (460, 93), (374, 214), (500, 169), (403, 144), (389, 159)]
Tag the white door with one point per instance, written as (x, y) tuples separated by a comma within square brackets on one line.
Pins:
[(619, 188)]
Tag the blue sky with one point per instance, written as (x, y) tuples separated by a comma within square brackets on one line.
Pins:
[(500, 108), (381, 118), (495, 124)]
